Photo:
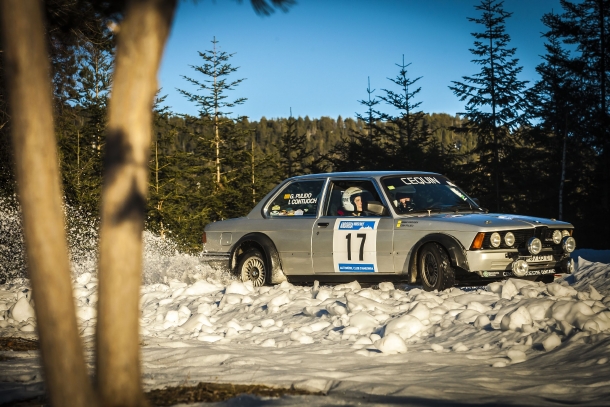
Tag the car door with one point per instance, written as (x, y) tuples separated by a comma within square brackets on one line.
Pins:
[(352, 241), (291, 214)]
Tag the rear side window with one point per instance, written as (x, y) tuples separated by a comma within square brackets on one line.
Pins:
[(299, 198)]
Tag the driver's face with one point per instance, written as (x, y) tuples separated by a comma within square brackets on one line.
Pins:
[(358, 202), (405, 200)]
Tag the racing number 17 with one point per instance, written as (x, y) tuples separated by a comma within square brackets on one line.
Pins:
[(349, 245)]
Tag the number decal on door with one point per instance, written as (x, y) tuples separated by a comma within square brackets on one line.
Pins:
[(349, 245), (354, 245)]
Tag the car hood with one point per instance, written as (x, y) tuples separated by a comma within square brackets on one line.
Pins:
[(488, 221)]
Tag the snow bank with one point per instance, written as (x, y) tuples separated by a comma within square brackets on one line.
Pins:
[(377, 321), (508, 323)]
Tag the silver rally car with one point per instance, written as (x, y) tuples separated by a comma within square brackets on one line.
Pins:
[(378, 226)]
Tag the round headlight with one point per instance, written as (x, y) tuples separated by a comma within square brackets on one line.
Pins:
[(495, 239), (520, 268), (565, 233), (509, 239), (534, 245), (557, 236), (568, 244)]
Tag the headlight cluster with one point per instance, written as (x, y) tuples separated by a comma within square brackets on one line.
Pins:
[(559, 234), (495, 239)]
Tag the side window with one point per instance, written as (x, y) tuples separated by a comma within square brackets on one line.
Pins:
[(352, 198), (297, 199)]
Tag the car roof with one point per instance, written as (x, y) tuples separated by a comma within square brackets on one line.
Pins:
[(374, 174)]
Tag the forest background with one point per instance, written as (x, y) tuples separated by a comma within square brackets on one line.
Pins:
[(540, 149)]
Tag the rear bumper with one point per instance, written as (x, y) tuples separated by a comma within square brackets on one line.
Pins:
[(216, 259)]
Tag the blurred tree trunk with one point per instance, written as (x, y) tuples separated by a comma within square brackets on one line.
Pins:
[(141, 39), (29, 88)]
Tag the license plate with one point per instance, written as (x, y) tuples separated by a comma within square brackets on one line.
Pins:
[(539, 258)]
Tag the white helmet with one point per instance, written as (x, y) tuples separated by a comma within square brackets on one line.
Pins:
[(347, 199)]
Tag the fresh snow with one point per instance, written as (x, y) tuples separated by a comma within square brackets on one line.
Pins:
[(512, 342)]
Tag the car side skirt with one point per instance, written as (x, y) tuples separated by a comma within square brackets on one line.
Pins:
[(342, 278)]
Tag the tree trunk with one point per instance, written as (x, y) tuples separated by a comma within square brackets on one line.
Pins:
[(563, 167), (140, 44), (30, 96)]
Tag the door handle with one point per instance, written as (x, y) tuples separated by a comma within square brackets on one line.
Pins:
[(322, 224)]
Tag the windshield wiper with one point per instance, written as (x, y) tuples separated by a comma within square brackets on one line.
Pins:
[(464, 207)]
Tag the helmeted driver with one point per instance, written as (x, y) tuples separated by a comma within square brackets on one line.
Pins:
[(405, 202), (353, 202)]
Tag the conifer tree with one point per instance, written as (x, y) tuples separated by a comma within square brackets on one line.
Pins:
[(83, 174), (407, 136), (554, 103), (294, 154), (212, 102), (585, 29), (362, 148), (494, 96)]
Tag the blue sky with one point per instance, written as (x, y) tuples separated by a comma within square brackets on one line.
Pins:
[(316, 57)]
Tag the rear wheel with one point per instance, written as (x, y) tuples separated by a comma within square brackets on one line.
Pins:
[(435, 268), (251, 267)]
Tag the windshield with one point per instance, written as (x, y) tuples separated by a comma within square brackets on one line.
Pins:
[(422, 193)]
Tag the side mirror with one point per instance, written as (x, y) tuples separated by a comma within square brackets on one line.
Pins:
[(376, 208)]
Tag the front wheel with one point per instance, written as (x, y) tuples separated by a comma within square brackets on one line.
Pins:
[(251, 267), (435, 268)]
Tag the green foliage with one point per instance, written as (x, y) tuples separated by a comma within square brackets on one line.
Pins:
[(571, 101), (81, 125), (494, 97), (543, 151), (407, 140)]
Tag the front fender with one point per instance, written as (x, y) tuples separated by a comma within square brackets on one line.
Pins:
[(455, 250), (266, 245)]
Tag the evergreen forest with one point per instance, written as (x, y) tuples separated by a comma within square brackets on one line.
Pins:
[(540, 149)]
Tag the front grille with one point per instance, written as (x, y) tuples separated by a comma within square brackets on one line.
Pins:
[(544, 233)]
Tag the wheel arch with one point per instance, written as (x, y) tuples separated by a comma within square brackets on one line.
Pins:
[(266, 246), (455, 250)]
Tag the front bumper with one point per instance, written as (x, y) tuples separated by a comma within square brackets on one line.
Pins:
[(499, 263)]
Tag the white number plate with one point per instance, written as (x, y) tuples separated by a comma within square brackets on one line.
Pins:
[(539, 258), (354, 245)]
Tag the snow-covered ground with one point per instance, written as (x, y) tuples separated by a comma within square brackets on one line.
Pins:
[(510, 343)]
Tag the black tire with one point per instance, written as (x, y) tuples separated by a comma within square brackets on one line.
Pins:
[(252, 267), (434, 268)]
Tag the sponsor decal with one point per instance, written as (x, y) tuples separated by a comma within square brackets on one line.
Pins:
[(420, 180), (357, 225), (357, 268), (532, 272), (300, 199), (491, 273), (458, 193), (398, 223)]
